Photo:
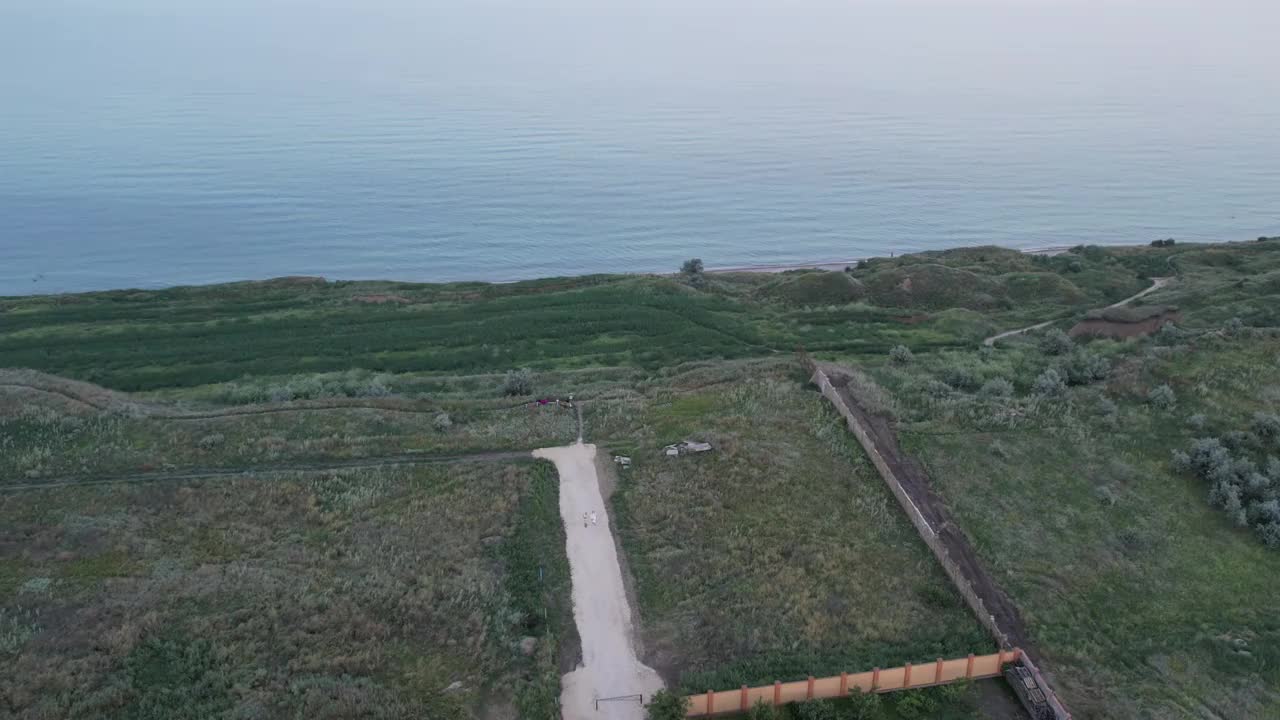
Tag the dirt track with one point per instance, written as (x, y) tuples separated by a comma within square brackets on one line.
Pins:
[(610, 667), (1156, 284), (213, 473)]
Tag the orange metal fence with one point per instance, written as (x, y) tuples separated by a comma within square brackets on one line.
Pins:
[(939, 672)]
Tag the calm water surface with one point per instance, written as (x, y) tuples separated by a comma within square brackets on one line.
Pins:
[(147, 143)]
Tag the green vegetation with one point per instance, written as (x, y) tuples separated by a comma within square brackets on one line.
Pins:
[(781, 553), (280, 590), (362, 593), (1144, 600), (201, 336)]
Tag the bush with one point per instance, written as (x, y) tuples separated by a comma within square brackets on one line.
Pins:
[(1082, 368), (666, 705), (1168, 334), (960, 377), (814, 710), (1234, 326), (691, 267), (1269, 534), (915, 705), (1167, 242), (1056, 342), (1049, 384), (1162, 397), (442, 421), (1197, 421), (762, 711), (901, 354), (996, 388), (864, 706), (518, 382), (1266, 426)]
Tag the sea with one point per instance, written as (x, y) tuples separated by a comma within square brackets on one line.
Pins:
[(152, 143)]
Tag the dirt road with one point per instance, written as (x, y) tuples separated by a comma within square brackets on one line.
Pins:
[(1156, 284), (610, 668)]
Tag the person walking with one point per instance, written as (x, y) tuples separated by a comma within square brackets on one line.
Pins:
[(593, 517), (584, 519)]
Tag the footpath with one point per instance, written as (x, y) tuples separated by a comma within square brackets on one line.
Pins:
[(611, 682)]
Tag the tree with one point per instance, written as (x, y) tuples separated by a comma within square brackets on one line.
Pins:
[(901, 354), (692, 267), (666, 705), (518, 382)]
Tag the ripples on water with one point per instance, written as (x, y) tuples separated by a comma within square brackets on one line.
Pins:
[(151, 145)]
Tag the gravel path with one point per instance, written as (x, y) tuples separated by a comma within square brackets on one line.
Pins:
[(609, 666)]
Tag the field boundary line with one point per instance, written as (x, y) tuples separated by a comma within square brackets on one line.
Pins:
[(948, 544)]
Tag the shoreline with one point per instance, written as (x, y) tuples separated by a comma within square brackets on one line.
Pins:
[(837, 265), (831, 265)]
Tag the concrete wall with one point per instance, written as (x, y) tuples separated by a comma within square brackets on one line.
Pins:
[(927, 532), (938, 672)]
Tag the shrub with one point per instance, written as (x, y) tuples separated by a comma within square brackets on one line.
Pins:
[(1082, 368), (1168, 334), (762, 711), (1269, 534), (1180, 461), (1105, 494), (814, 710), (960, 377), (1266, 426), (864, 706), (1056, 342), (518, 382), (996, 388), (937, 389), (1197, 421), (211, 441), (666, 705), (442, 421), (901, 354), (1238, 439), (1234, 326), (1167, 242), (1049, 384), (915, 705), (1162, 397)]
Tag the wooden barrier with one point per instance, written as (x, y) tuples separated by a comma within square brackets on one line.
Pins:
[(881, 680)]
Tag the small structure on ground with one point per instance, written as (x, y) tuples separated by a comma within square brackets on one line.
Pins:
[(623, 461), (688, 447)]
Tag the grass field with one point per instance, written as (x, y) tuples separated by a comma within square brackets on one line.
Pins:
[(779, 554), (1147, 602), (190, 337), (352, 594), (291, 594)]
